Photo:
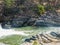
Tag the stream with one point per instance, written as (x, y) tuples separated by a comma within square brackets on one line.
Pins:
[(7, 32)]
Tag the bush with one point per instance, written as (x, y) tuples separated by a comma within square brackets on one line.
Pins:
[(8, 3), (40, 9)]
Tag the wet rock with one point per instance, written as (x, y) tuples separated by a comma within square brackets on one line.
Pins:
[(48, 24), (48, 19), (39, 23), (31, 21), (32, 38), (55, 34), (6, 25), (19, 22), (27, 40)]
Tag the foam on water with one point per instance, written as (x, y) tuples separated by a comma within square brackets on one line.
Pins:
[(7, 32)]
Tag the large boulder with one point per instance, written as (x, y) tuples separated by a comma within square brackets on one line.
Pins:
[(31, 21), (15, 22), (6, 25), (55, 35), (19, 22), (48, 19)]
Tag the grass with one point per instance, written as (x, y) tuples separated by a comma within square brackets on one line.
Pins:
[(13, 40)]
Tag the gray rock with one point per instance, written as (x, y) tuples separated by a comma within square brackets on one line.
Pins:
[(19, 22), (48, 19), (6, 25), (55, 34), (31, 21)]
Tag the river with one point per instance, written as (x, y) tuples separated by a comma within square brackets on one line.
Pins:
[(7, 32)]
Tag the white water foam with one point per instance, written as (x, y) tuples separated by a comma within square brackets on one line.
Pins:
[(7, 32)]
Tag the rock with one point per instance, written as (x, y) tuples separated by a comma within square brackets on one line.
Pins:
[(11, 11), (19, 22), (27, 40), (55, 34), (45, 38), (32, 38), (48, 19), (31, 21), (6, 25), (1, 19), (46, 23)]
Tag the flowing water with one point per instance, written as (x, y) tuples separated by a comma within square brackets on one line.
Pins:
[(36, 30), (7, 32)]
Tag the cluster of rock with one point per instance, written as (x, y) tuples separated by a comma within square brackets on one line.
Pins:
[(43, 38), (51, 18), (48, 19), (22, 14)]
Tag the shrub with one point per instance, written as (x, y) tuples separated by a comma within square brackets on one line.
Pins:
[(40, 9), (8, 3)]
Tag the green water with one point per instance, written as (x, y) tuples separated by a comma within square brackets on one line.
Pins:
[(29, 28), (37, 30)]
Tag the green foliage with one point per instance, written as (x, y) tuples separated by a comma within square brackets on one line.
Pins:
[(40, 9), (8, 3)]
